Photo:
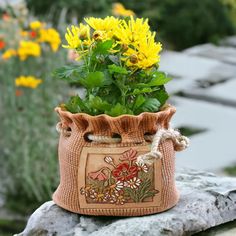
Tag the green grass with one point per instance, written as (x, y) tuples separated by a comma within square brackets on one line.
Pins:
[(190, 131), (28, 149), (231, 170), (218, 230), (10, 227)]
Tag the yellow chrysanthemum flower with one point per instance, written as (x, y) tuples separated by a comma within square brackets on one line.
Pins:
[(132, 31), (27, 81), (50, 36), (119, 10), (103, 28), (28, 48), (145, 55), (35, 25), (141, 50), (77, 36), (8, 54)]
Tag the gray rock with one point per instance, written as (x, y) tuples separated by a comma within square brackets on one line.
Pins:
[(206, 201), (49, 219)]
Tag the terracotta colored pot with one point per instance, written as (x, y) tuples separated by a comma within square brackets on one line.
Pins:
[(104, 179)]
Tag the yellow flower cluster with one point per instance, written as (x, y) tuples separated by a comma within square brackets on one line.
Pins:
[(119, 10), (9, 53), (138, 48), (28, 48), (142, 50), (30, 43), (50, 36), (36, 25), (27, 81), (45, 35), (77, 37)]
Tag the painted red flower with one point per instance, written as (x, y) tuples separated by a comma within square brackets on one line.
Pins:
[(129, 155), (124, 172), (98, 175)]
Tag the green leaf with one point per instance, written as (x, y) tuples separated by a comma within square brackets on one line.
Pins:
[(97, 104), (157, 79), (150, 105), (162, 96), (138, 102), (103, 47), (118, 109), (142, 90), (117, 69), (93, 80), (66, 72), (76, 104)]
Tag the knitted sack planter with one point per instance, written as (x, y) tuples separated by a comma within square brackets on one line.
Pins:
[(105, 166)]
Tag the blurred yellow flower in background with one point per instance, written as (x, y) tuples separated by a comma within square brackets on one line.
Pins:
[(27, 81), (119, 10), (24, 33), (50, 36), (28, 48), (36, 25), (9, 53)]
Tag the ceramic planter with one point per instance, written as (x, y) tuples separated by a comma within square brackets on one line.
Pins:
[(102, 178)]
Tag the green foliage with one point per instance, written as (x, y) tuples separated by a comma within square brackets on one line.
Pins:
[(181, 23), (231, 170), (73, 8), (231, 8), (28, 153), (184, 23), (112, 88)]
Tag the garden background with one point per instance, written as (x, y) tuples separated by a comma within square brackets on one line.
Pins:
[(31, 35)]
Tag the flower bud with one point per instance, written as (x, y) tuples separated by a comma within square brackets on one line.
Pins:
[(98, 35), (133, 58)]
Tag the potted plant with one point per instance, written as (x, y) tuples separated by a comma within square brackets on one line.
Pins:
[(116, 149)]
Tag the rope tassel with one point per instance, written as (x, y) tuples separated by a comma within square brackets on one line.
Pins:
[(180, 143)]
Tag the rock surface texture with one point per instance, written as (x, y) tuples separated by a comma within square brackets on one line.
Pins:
[(206, 201)]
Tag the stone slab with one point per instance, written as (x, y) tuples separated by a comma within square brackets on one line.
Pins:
[(182, 65), (229, 41), (223, 93), (220, 53), (214, 148), (205, 201)]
